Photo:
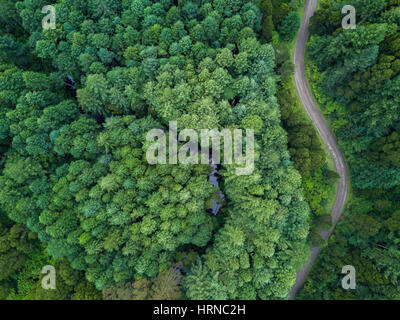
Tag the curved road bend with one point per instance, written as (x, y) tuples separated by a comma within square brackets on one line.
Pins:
[(326, 135)]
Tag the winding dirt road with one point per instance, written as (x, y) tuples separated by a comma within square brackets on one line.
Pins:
[(326, 135)]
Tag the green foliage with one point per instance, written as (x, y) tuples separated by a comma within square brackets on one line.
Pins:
[(70, 283), (75, 169), (305, 149), (166, 286), (267, 28), (16, 244), (289, 26), (355, 77), (361, 240)]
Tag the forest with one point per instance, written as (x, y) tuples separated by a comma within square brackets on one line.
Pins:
[(76, 191), (355, 76)]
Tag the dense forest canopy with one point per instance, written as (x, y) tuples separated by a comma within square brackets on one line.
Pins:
[(76, 103)]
